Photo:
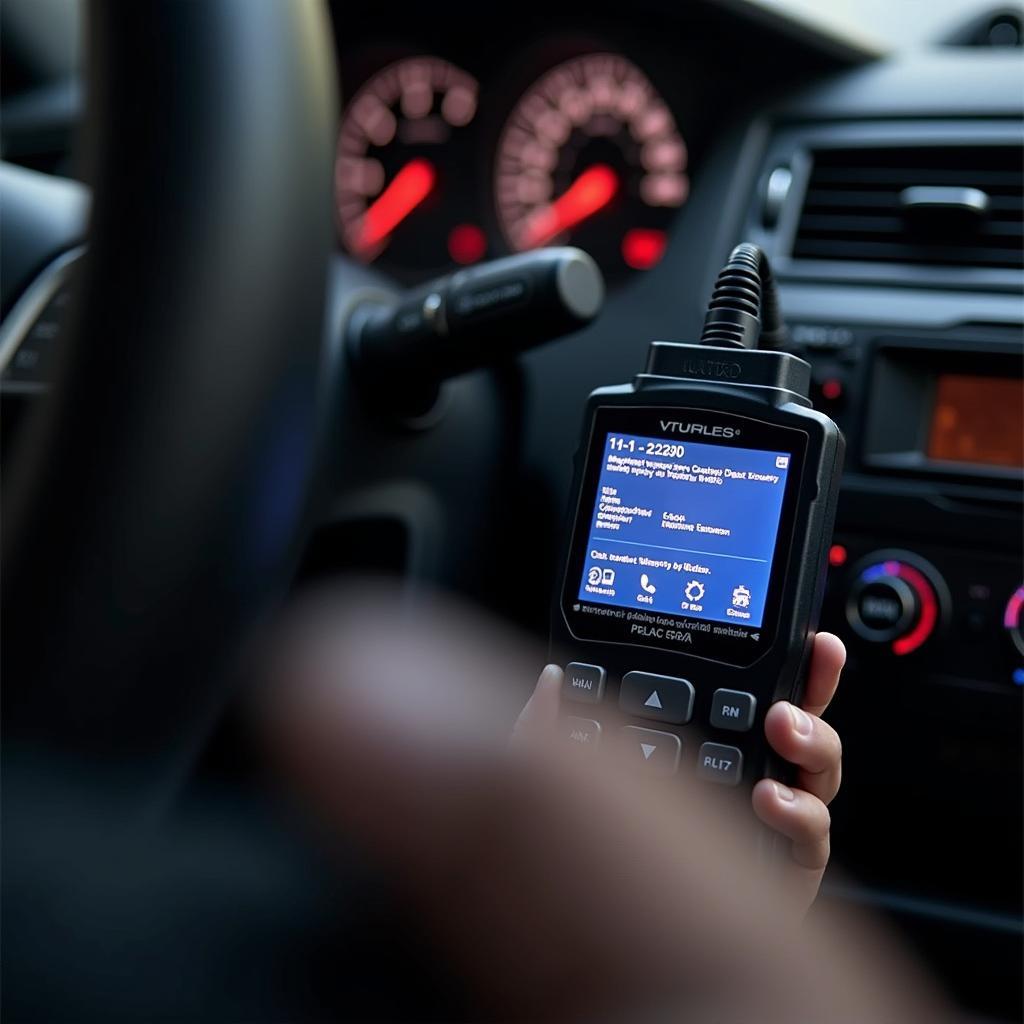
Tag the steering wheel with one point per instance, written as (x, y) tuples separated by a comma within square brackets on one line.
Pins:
[(155, 507)]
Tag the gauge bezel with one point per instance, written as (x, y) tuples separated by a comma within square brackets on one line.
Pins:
[(388, 85), (589, 69)]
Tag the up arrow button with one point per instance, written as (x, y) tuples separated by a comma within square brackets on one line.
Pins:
[(663, 698)]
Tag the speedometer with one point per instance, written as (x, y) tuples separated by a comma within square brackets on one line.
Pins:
[(592, 155), (403, 172)]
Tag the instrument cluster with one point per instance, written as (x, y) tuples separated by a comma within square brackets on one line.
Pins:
[(436, 169)]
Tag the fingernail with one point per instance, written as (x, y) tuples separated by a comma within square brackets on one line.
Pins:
[(784, 793), (801, 720)]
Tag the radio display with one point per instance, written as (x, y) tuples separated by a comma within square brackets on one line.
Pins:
[(684, 528), (977, 420)]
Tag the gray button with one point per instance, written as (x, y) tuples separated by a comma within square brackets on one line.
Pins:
[(733, 709), (655, 752), (583, 682), (719, 763), (664, 698), (584, 732)]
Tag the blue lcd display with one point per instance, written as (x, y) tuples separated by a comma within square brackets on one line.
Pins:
[(684, 528)]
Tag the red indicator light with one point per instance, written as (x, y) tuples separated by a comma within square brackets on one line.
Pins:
[(466, 243), (832, 389), (837, 555), (642, 248)]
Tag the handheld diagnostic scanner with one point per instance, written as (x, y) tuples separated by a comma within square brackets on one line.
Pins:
[(697, 546)]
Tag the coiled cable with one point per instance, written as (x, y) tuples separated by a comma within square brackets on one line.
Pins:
[(744, 309)]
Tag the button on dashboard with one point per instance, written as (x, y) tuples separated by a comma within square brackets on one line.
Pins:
[(584, 683), (663, 698)]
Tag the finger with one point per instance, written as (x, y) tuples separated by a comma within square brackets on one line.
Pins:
[(827, 660), (800, 817), (539, 717), (809, 743)]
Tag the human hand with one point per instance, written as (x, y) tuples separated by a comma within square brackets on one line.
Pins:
[(612, 898), (797, 734)]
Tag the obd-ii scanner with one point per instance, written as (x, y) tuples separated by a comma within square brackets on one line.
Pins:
[(704, 500)]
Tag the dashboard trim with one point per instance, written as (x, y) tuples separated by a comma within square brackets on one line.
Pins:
[(32, 302)]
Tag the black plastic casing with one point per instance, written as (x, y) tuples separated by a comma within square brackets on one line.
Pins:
[(763, 395)]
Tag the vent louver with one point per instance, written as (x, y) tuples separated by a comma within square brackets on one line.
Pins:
[(945, 206)]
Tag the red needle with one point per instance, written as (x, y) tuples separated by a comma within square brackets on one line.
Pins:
[(591, 191), (410, 186)]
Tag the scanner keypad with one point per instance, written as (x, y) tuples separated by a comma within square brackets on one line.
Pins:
[(669, 700)]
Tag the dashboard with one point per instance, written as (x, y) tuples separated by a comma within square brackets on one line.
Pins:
[(589, 154), (452, 151), (656, 139), (915, 348)]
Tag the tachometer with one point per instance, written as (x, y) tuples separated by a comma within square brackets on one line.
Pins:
[(591, 154), (401, 185)]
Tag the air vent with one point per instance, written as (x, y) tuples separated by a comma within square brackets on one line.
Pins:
[(937, 206)]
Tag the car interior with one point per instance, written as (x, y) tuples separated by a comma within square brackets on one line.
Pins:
[(187, 256)]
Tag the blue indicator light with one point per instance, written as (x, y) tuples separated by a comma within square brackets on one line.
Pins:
[(872, 572), (1018, 676)]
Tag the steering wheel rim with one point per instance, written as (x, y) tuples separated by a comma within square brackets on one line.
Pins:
[(157, 502)]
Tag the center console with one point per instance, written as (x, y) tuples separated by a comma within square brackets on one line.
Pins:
[(925, 589)]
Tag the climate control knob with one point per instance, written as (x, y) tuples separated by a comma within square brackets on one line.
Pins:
[(896, 599), (1013, 620)]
